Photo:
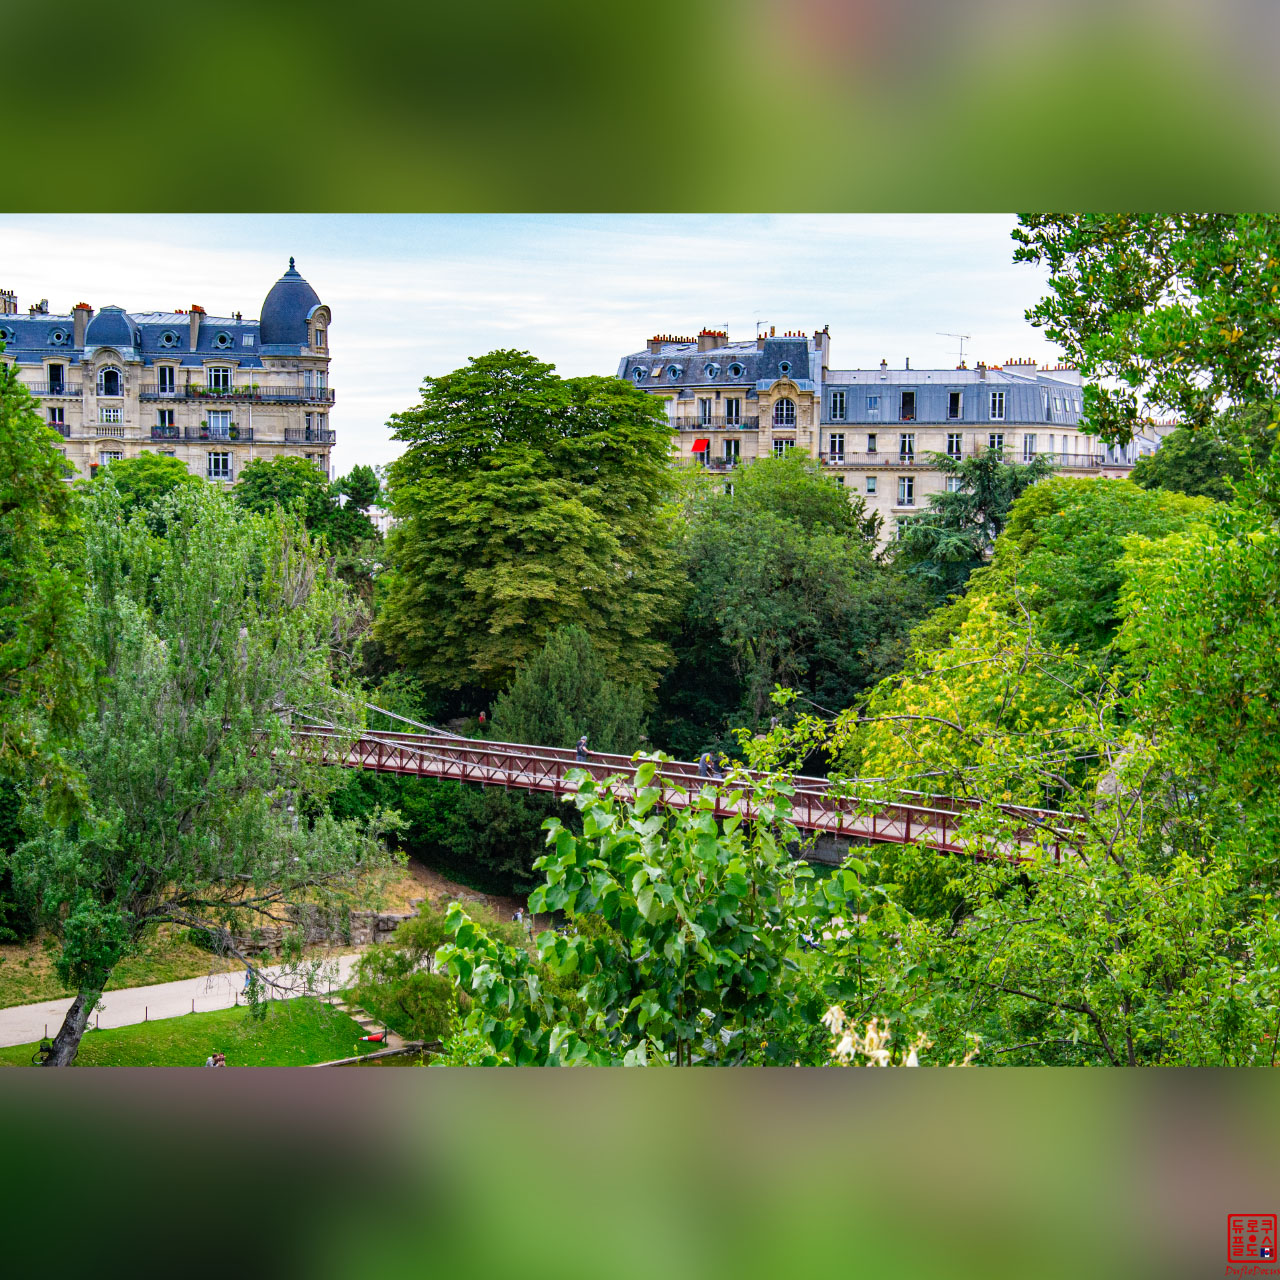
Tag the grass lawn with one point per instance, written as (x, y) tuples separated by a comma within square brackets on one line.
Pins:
[(27, 973), (293, 1034)]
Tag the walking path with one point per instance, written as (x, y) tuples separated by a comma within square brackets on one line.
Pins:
[(26, 1023)]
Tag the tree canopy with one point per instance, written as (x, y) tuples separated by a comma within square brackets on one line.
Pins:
[(526, 502), (142, 481), (297, 485)]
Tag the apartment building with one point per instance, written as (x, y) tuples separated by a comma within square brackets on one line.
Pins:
[(214, 391), (875, 430)]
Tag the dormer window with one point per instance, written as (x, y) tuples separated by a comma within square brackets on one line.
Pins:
[(110, 381), (638, 374), (222, 341), (168, 338), (735, 371), (320, 337), (712, 370), (673, 372), (784, 367), (6, 335), (58, 337)]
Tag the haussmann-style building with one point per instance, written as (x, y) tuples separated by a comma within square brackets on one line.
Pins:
[(873, 429), (214, 391)]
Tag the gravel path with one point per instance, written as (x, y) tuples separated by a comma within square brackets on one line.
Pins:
[(25, 1023)]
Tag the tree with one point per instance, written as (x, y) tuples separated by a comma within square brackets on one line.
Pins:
[(43, 661), (1206, 462), (1177, 312), (292, 484), (527, 502), (956, 533), (360, 486), (203, 808), (785, 588), (142, 481), (687, 940), (558, 696)]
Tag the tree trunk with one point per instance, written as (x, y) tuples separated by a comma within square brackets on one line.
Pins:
[(66, 1044)]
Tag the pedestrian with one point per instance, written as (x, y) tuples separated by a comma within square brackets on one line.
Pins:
[(704, 765), (581, 752)]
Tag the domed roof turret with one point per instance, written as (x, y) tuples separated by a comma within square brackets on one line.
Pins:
[(285, 310), (111, 327)]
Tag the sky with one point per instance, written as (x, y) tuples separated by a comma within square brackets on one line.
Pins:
[(416, 295)]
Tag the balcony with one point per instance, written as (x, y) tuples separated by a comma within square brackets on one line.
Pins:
[(717, 424), (61, 428), (234, 434), (55, 390), (291, 394), (885, 459), (114, 430), (722, 464), (300, 435)]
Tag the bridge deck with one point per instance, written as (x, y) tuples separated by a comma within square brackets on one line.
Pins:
[(816, 806)]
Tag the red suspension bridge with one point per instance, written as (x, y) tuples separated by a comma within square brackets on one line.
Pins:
[(816, 805)]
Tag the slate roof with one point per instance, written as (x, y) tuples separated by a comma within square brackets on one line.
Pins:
[(286, 309), (781, 358)]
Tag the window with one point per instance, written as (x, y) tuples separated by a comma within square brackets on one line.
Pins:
[(109, 455), (164, 421), (997, 406), (638, 373), (168, 338), (222, 341), (836, 445), (735, 371), (220, 424), (321, 339), (784, 367), (246, 340), (1028, 446), (871, 484), (731, 448), (110, 381), (1048, 413), (907, 446), (1051, 443), (57, 418), (733, 412), (955, 402), (871, 442), (955, 443), (674, 372), (219, 465), (56, 383), (712, 370), (728, 489), (784, 413), (58, 337), (781, 447), (873, 406), (907, 408), (837, 406), (110, 415), (322, 380), (995, 442), (953, 484), (704, 410), (165, 379), (906, 491), (839, 482), (219, 378)]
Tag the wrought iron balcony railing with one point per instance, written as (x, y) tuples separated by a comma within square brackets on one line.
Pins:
[(292, 394)]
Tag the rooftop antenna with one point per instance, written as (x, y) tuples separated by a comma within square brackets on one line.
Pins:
[(964, 337)]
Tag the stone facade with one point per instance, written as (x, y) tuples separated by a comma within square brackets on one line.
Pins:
[(873, 429), (214, 391)]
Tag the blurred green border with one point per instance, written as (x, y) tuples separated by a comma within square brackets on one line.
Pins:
[(700, 105)]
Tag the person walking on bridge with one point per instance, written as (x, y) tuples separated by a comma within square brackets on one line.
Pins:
[(581, 752)]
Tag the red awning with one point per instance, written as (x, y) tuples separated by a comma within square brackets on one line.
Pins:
[(701, 446)]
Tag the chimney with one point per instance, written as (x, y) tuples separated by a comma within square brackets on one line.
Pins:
[(884, 364), (908, 362), (772, 331), (80, 316), (8, 303), (760, 340), (710, 339), (40, 308), (655, 345), (196, 312), (982, 371)]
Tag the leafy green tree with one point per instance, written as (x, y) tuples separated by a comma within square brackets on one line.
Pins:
[(360, 486), (785, 588), (687, 940), (43, 660), (956, 533), (201, 812), (293, 484), (142, 481), (527, 502), (558, 696), (1167, 313), (1206, 462)]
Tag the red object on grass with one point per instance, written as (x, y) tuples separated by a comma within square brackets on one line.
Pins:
[(381, 1035)]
